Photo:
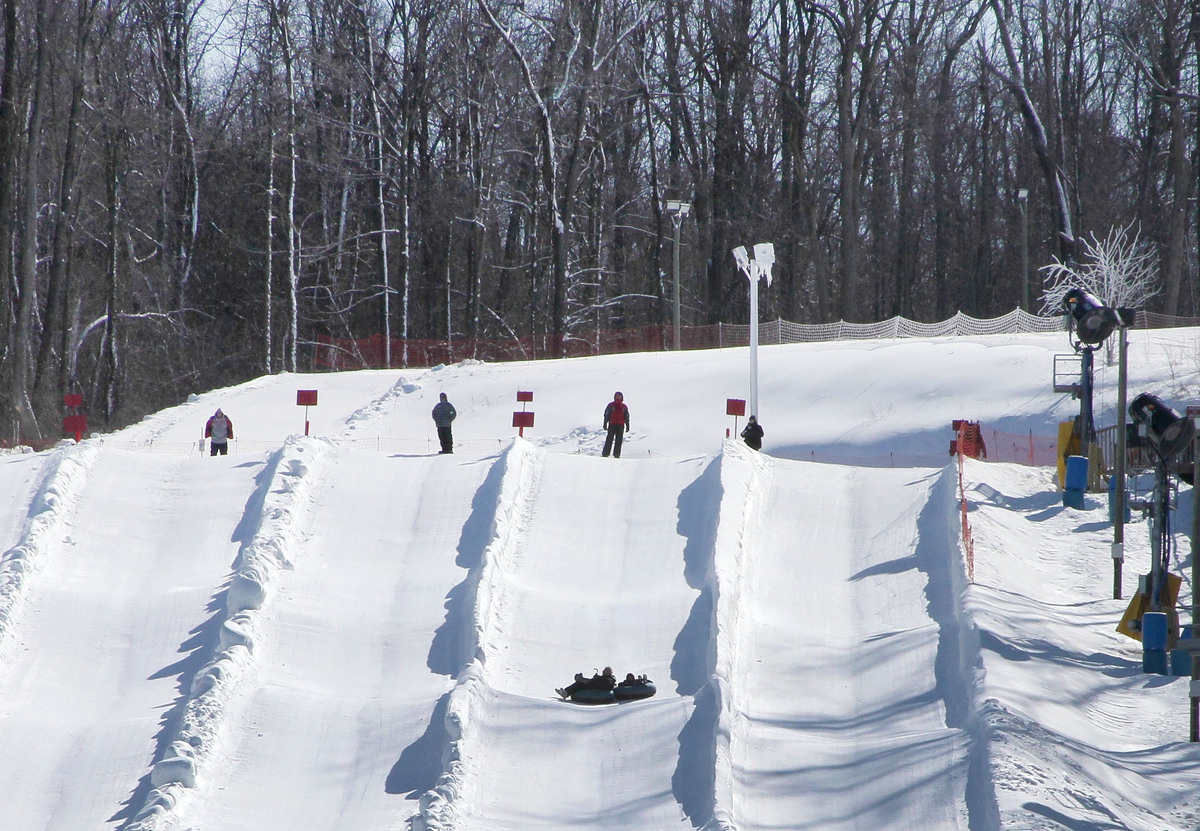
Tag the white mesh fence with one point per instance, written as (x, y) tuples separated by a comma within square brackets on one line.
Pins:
[(782, 331)]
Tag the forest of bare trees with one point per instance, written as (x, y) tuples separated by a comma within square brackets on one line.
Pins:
[(193, 191)]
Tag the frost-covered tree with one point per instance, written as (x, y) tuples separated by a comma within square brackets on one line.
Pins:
[(1121, 270)]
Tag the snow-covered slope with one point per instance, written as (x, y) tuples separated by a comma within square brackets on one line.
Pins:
[(347, 631)]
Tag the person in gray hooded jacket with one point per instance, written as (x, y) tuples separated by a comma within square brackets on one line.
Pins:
[(220, 429)]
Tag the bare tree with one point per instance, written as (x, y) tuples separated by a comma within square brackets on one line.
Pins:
[(27, 229), (566, 81), (1014, 79), (862, 29)]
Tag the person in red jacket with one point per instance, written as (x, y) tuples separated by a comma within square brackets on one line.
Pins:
[(220, 429), (616, 422)]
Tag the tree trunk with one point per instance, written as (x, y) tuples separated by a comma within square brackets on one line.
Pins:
[(27, 239)]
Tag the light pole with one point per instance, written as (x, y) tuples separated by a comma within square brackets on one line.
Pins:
[(760, 266), (678, 210), (1023, 200)]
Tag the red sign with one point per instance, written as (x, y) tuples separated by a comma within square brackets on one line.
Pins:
[(75, 425), (522, 420), (735, 407), (306, 398), (524, 395), (73, 400)]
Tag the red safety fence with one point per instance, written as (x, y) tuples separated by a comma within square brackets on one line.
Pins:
[(968, 542), (1020, 448)]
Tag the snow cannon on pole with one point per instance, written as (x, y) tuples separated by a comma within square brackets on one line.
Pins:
[(1089, 323), (1151, 616)]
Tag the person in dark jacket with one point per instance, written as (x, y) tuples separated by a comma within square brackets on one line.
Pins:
[(600, 681), (220, 429), (616, 422), (443, 416), (753, 434)]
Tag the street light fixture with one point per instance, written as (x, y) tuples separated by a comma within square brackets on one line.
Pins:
[(759, 267), (678, 210), (1022, 200)]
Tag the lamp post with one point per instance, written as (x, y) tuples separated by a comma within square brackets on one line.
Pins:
[(759, 267), (678, 210), (1022, 200)]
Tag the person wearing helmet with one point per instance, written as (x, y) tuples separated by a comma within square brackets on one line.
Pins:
[(220, 429), (616, 422)]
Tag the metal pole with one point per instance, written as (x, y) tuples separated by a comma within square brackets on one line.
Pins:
[(1194, 732), (754, 339), (1087, 430), (1158, 517), (1118, 546), (678, 220), (1024, 252)]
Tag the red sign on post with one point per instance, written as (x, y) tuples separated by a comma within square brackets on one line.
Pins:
[(734, 407), (75, 425), (523, 419), (306, 399)]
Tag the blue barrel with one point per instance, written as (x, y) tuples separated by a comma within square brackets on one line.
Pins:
[(1077, 473), (1154, 661), (1074, 499), (1154, 630), (1181, 662)]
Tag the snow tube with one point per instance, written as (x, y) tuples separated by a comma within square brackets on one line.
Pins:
[(642, 688), (586, 696)]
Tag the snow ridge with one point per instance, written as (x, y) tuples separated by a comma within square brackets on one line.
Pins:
[(959, 662), (745, 478), (287, 493), (439, 806), (65, 476)]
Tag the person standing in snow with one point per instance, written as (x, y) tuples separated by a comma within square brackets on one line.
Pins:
[(616, 422), (753, 434), (220, 429), (443, 416)]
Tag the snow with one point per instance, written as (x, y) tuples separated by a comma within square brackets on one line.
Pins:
[(345, 630)]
